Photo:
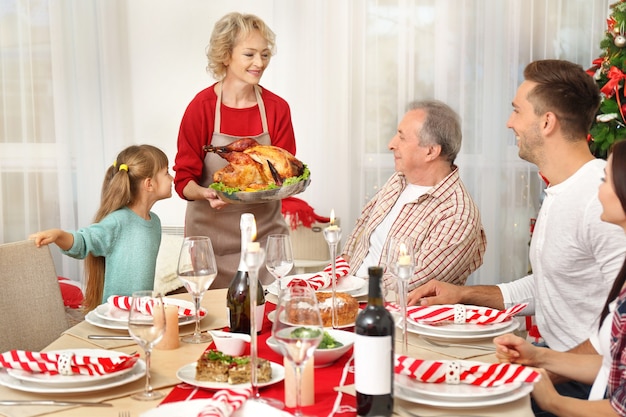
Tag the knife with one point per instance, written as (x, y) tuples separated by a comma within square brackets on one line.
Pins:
[(102, 336), (54, 402)]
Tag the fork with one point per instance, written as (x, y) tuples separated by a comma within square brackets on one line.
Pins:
[(124, 414), (444, 345)]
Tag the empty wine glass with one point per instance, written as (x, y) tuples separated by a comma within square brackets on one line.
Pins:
[(298, 330), (146, 325), (400, 262), (279, 257), (197, 270)]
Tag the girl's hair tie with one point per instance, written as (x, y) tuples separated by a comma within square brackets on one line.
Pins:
[(123, 167)]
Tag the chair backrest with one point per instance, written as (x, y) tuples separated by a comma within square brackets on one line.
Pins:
[(32, 314)]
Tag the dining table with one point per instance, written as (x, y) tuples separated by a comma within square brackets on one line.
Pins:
[(334, 384)]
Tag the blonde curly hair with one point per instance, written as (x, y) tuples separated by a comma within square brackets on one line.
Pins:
[(227, 31)]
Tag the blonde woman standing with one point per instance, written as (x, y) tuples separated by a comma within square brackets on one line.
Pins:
[(235, 107)]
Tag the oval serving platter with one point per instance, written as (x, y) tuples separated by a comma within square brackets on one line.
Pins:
[(256, 197)]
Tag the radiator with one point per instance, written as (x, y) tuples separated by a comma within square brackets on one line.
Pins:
[(173, 230)]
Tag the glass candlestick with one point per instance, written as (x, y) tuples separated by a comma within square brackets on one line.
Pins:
[(404, 272), (401, 261), (253, 257), (332, 234)]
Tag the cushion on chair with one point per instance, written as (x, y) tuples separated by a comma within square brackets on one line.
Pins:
[(165, 275), (298, 212), (71, 292)]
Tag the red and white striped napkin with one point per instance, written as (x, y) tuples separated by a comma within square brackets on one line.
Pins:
[(460, 313), (65, 363), (322, 280), (225, 402), (124, 302), (461, 372)]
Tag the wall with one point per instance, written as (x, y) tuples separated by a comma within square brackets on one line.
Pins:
[(167, 68)]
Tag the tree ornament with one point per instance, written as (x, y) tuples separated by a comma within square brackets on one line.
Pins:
[(620, 41), (616, 30)]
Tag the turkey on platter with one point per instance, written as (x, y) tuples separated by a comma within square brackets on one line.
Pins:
[(254, 167)]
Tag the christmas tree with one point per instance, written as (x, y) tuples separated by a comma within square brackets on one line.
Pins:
[(609, 71)]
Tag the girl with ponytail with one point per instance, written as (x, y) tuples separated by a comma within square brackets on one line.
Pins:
[(120, 248)]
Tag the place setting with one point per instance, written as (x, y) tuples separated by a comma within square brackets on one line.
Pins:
[(69, 371), (462, 323), (113, 314), (462, 383)]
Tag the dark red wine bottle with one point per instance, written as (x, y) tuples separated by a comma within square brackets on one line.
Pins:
[(373, 353)]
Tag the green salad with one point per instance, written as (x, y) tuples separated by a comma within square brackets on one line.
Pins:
[(328, 342)]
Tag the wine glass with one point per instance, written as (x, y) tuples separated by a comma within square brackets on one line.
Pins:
[(279, 257), (298, 330), (400, 262), (197, 270), (146, 325)]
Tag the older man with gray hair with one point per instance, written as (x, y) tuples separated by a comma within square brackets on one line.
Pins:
[(424, 200)]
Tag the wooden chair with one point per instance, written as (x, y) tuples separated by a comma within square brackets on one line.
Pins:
[(32, 314)]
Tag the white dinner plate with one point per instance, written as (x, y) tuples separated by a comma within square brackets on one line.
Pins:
[(350, 284), (188, 374), (461, 337), (454, 329), (470, 402), (137, 372), (57, 380), (109, 312), (272, 315), (93, 318)]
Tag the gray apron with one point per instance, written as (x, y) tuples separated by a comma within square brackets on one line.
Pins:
[(222, 226)]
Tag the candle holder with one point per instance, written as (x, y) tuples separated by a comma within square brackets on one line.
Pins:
[(404, 273), (332, 234), (400, 261), (254, 258)]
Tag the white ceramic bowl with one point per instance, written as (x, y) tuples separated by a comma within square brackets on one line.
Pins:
[(233, 344), (324, 357)]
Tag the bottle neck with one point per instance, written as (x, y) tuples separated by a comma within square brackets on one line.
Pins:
[(375, 295)]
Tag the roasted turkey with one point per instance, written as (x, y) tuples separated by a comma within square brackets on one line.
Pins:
[(254, 166)]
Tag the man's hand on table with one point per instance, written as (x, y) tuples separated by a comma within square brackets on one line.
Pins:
[(435, 292)]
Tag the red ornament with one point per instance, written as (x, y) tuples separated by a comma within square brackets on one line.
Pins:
[(610, 22)]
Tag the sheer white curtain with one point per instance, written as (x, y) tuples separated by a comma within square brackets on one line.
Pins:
[(63, 68), (357, 64), (70, 73)]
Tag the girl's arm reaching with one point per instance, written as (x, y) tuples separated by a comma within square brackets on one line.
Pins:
[(62, 239)]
